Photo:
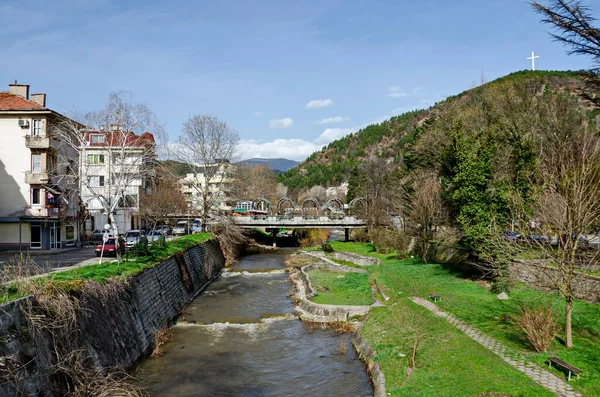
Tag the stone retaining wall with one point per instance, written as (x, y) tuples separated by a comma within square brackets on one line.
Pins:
[(358, 260), (304, 291), (367, 355), (117, 331), (539, 276)]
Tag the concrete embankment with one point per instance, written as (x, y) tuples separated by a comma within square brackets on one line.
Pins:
[(309, 311), (115, 325)]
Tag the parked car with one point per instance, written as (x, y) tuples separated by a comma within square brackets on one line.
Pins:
[(98, 234), (181, 228), (163, 229), (511, 236), (155, 235), (110, 247), (196, 226), (134, 237), (536, 238)]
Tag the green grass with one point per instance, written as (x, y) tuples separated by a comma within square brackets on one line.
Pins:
[(107, 270), (353, 289), (449, 363)]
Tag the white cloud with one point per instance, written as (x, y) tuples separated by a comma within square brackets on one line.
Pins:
[(330, 120), (281, 123), (293, 149), (331, 134), (257, 113), (319, 103), (396, 92)]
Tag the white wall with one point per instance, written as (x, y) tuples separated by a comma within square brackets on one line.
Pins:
[(15, 159)]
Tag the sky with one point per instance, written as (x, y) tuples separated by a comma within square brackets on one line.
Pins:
[(289, 76)]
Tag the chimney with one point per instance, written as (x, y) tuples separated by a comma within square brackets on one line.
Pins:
[(40, 99), (19, 89)]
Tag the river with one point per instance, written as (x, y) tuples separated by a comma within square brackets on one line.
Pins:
[(240, 338)]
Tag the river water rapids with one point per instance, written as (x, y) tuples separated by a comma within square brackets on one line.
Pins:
[(240, 338)]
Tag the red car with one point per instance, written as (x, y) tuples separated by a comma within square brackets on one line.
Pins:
[(110, 248)]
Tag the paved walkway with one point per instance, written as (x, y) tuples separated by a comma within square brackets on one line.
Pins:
[(539, 375)]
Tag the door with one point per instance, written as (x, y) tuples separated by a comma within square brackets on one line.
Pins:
[(36, 236), (54, 236)]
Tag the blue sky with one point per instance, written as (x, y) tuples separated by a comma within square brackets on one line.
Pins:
[(290, 76)]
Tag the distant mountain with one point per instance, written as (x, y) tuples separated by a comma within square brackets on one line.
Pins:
[(274, 164)]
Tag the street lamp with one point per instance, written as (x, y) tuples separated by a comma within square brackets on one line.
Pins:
[(104, 240)]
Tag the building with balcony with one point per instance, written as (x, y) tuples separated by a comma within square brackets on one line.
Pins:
[(116, 168), (214, 180), (38, 206)]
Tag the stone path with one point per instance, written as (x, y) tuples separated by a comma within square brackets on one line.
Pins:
[(539, 375)]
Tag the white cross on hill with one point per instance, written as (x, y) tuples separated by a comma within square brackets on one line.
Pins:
[(533, 57)]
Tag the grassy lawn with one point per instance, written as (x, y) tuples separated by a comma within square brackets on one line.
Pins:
[(353, 289), (112, 269), (448, 362)]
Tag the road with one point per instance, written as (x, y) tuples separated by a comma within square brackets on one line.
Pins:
[(47, 263)]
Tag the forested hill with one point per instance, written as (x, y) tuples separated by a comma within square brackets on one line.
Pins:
[(396, 138)]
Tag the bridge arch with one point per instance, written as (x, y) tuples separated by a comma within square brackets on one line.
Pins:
[(335, 204), (310, 204), (357, 206), (357, 202), (281, 204), (262, 204)]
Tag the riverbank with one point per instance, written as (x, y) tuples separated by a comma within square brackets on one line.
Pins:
[(76, 335), (447, 361)]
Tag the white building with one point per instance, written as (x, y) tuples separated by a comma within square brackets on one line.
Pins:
[(116, 169), (38, 207), (213, 179)]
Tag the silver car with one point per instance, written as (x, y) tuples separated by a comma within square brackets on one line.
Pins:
[(134, 237)]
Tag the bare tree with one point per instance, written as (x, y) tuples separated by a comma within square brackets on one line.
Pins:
[(115, 156), (254, 182), (165, 200), (378, 183), (206, 146), (281, 190), (569, 203), (574, 25), (426, 211)]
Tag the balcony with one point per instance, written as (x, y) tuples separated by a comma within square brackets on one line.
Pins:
[(37, 142), (37, 178)]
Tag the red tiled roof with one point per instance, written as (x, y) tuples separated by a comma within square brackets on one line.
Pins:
[(120, 138), (16, 102)]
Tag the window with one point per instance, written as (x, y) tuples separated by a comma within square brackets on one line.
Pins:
[(96, 180), (129, 201), (70, 232), (97, 138), (36, 163), (36, 198), (95, 159), (37, 127)]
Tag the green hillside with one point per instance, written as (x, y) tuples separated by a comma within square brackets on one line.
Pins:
[(398, 137)]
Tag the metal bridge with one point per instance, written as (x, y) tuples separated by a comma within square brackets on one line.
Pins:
[(299, 222)]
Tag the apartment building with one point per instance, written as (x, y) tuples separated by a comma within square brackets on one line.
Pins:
[(116, 170), (215, 179), (38, 204)]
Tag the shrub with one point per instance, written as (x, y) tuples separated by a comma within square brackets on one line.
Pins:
[(360, 235), (327, 247), (312, 237), (538, 322), (502, 284)]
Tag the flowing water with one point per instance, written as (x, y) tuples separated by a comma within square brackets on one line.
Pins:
[(240, 338)]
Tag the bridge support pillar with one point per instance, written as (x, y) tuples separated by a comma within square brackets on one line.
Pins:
[(346, 234), (274, 234)]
